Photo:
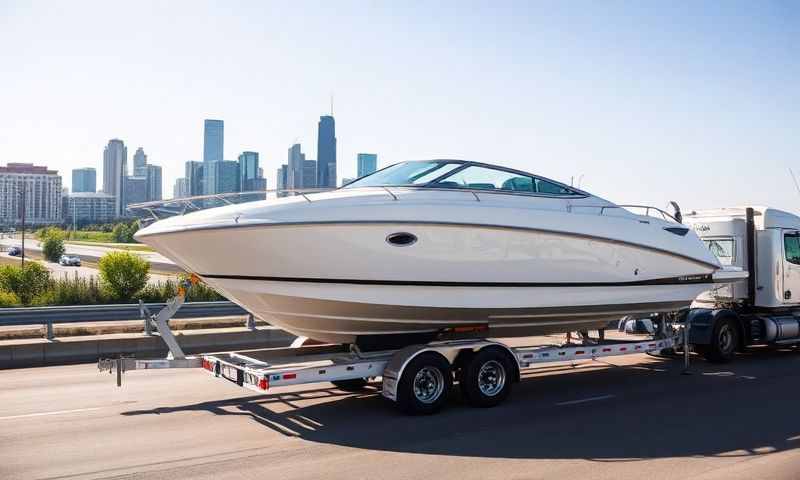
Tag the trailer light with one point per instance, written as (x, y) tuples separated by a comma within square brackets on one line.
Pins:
[(622, 349), (207, 365), (606, 349), (579, 352), (263, 384), (289, 376)]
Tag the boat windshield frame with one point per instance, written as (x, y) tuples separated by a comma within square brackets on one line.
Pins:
[(464, 164)]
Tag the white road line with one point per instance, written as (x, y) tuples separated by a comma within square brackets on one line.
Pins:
[(42, 414), (584, 400)]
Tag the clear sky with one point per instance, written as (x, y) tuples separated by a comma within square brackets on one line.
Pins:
[(648, 101)]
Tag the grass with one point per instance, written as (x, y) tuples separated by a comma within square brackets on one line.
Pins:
[(88, 236), (137, 247)]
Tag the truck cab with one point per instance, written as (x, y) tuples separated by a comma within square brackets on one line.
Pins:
[(764, 308)]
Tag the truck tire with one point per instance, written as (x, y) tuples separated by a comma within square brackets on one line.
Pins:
[(487, 378), (724, 341), (351, 385), (424, 384)]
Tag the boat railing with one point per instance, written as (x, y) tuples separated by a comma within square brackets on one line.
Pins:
[(648, 210)]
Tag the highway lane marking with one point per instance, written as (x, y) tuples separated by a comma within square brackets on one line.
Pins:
[(58, 412), (584, 400)]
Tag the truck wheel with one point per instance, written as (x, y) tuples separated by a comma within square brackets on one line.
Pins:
[(487, 377), (351, 385), (425, 384), (724, 342)]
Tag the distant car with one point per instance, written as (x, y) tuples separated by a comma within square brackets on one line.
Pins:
[(15, 251), (69, 261)]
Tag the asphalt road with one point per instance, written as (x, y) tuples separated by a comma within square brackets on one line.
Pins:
[(633, 418), (89, 251)]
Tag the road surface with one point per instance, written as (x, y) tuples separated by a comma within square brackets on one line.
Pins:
[(90, 251), (635, 417)]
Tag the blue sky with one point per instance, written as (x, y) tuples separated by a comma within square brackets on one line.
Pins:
[(648, 101)]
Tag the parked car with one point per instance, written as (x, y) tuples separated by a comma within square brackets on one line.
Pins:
[(15, 251), (69, 261)]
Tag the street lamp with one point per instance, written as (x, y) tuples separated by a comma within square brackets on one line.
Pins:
[(23, 221)]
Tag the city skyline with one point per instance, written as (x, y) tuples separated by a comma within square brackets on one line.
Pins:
[(646, 104)]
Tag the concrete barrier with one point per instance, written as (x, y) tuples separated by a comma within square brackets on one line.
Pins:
[(33, 353)]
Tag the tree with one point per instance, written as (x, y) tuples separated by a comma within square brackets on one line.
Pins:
[(53, 244), (123, 274), (123, 232), (25, 282)]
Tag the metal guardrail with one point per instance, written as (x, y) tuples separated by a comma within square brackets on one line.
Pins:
[(47, 316)]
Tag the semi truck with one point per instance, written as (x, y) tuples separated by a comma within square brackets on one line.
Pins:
[(763, 309)]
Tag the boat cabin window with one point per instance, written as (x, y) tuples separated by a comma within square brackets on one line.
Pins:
[(723, 249), (485, 178), (791, 246), (406, 173)]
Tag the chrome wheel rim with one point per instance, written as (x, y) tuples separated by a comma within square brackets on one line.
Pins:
[(428, 384), (491, 378), (725, 338)]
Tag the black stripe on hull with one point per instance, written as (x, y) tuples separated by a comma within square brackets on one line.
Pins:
[(682, 280)]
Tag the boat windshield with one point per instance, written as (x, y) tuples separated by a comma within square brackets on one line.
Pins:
[(406, 173)]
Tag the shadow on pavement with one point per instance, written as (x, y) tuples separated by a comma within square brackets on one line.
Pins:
[(649, 411)]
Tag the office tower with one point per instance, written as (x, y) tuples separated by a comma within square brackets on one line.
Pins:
[(135, 191), (367, 163), (213, 140), (282, 179), (195, 181), (115, 168), (181, 188), (139, 163), (84, 180), (294, 172), (222, 177), (89, 207), (42, 189), (309, 174), (326, 152), (153, 175), (249, 170)]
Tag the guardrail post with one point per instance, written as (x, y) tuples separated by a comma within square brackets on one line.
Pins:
[(251, 322), (50, 334), (148, 325)]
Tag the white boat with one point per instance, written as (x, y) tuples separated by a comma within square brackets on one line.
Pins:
[(426, 246)]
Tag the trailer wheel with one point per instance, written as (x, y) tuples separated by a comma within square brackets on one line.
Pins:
[(425, 384), (487, 378), (724, 341), (351, 385)]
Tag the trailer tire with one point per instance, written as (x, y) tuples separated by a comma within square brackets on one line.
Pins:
[(424, 384), (724, 341), (487, 378), (351, 385)]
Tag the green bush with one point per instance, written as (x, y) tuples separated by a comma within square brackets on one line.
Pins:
[(25, 282), (8, 299), (53, 244), (123, 274), (74, 290), (123, 232), (90, 236)]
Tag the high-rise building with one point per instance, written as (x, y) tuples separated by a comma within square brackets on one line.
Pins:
[(115, 168), (42, 190), (135, 191), (89, 207), (282, 179), (309, 174), (326, 152), (139, 163), (222, 177), (213, 140), (249, 170), (84, 180), (295, 164), (153, 175), (181, 188), (195, 178), (367, 163)]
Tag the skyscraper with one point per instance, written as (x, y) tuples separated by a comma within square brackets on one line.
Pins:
[(135, 190), (115, 168), (309, 174), (326, 152), (249, 171), (139, 162), (84, 180), (281, 180), (294, 172), (181, 188), (367, 163), (222, 177), (42, 188), (153, 176), (213, 140), (195, 178)]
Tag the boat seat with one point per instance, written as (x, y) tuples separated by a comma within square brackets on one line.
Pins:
[(482, 186), (519, 184)]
